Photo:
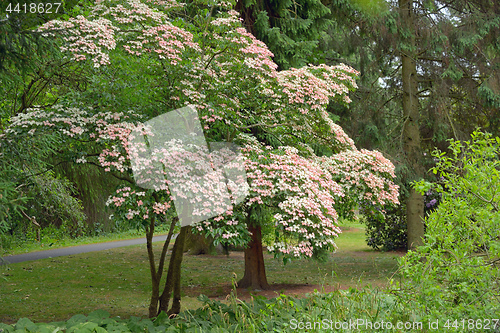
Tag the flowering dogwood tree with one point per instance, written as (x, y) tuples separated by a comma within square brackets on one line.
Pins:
[(201, 56)]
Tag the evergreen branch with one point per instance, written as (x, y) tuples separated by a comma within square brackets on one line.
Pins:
[(428, 58), (419, 93), (451, 124)]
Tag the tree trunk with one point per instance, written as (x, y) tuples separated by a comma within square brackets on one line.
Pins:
[(197, 244), (414, 217), (255, 271), (155, 283), (174, 276), (411, 130), (176, 300), (156, 274)]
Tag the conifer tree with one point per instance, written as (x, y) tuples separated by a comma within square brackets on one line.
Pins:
[(291, 29), (444, 52)]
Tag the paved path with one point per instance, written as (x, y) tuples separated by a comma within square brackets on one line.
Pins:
[(66, 251)]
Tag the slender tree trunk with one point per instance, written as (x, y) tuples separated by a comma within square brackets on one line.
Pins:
[(411, 130), (156, 274), (173, 282), (155, 284), (176, 300), (255, 271)]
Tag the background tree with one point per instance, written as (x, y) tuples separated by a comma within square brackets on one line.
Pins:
[(446, 93), (291, 29), (411, 131), (33, 72)]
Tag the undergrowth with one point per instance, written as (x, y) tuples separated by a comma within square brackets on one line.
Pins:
[(281, 314)]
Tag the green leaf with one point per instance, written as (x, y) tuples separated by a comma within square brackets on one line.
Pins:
[(76, 319), (6, 328), (25, 323), (98, 314)]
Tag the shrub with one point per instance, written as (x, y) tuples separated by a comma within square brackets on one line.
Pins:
[(54, 205), (385, 228), (455, 274), (432, 199)]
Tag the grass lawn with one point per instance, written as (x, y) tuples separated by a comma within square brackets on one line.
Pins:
[(118, 281)]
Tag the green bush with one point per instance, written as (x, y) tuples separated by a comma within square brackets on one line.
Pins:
[(456, 272), (385, 228), (55, 204)]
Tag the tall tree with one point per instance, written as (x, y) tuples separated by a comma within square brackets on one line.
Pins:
[(426, 67), (411, 114)]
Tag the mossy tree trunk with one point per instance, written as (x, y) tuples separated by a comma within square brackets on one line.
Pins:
[(411, 130), (197, 244)]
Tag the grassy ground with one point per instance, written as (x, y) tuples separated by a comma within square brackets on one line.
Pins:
[(117, 280)]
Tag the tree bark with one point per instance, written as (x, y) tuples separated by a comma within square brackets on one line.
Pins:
[(156, 274), (415, 221), (155, 283), (411, 130), (255, 271), (197, 244), (174, 276), (176, 300)]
